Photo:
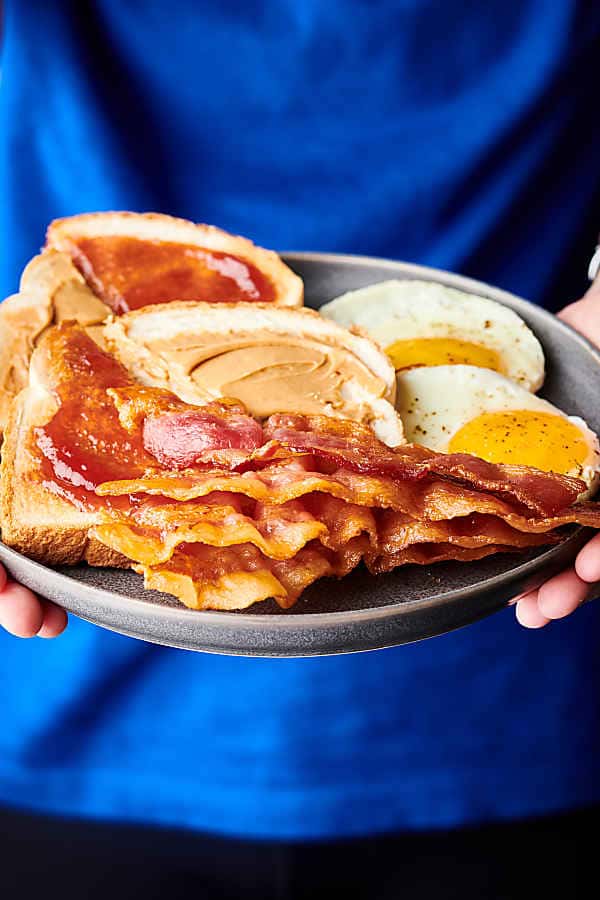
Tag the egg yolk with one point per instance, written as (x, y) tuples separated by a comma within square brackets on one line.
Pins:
[(523, 438), (441, 351)]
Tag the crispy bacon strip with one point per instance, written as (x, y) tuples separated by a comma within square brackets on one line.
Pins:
[(169, 542), (434, 498), (179, 436), (427, 554), (353, 446), (209, 578), (397, 531), (151, 532), (179, 440)]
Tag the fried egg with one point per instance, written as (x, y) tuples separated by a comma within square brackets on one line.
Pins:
[(466, 409), (421, 323)]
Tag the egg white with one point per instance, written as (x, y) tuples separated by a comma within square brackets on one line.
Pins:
[(435, 402), (405, 310)]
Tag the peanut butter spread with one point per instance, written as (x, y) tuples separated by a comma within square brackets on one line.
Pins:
[(269, 373), (74, 301), (22, 320), (52, 291)]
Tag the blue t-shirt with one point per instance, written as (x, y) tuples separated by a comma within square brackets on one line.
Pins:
[(452, 134)]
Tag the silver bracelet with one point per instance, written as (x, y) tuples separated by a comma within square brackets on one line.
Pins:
[(594, 267)]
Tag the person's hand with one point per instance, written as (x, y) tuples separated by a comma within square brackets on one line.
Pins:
[(564, 593), (25, 615)]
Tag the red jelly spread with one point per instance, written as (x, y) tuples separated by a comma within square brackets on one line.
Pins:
[(129, 273), (84, 444)]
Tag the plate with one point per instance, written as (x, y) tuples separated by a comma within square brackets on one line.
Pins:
[(361, 611)]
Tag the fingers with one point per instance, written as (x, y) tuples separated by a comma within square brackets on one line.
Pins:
[(562, 595), (55, 621), (587, 564), (25, 615), (21, 613), (528, 612), (557, 598)]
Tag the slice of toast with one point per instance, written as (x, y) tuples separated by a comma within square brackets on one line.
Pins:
[(134, 259), (271, 359), (33, 519), (53, 288)]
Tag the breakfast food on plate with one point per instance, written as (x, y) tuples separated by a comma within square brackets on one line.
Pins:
[(421, 323), (272, 360), (237, 450), (465, 409), (223, 511), (99, 263), (135, 259)]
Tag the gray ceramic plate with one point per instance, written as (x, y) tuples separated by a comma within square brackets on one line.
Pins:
[(360, 612)]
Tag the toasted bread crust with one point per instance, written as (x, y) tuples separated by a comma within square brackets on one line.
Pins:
[(62, 234)]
